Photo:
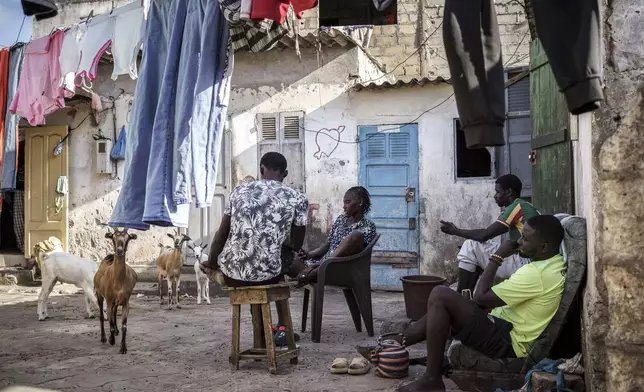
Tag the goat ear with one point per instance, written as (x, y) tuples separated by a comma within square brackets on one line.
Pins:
[(204, 247), (133, 236), (170, 235), (109, 234)]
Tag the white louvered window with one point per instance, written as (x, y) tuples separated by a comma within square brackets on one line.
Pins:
[(284, 133)]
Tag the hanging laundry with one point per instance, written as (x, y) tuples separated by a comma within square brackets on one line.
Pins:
[(70, 56), (39, 92), (93, 45), (245, 8), (277, 9), (40, 9), (570, 34), (127, 39), (255, 36), (118, 151), (179, 98), (10, 163), (4, 79)]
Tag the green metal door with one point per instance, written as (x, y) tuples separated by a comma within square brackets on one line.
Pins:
[(552, 170)]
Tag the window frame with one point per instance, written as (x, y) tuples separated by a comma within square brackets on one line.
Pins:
[(491, 150)]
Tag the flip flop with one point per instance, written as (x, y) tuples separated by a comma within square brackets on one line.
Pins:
[(339, 366), (359, 366)]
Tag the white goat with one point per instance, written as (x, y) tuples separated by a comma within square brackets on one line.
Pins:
[(203, 283), (66, 268), (169, 265)]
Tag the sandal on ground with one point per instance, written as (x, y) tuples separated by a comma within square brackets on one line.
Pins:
[(365, 351), (339, 366), (359, 366), (214, 275)]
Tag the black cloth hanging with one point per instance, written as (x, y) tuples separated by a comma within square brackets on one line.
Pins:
[(40, 9)]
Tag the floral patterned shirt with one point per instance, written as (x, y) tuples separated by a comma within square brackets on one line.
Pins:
[(341, 229), (261, 215)]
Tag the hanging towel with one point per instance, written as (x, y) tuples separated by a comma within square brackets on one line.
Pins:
[(118, 151), (277, 9), (61, 192)]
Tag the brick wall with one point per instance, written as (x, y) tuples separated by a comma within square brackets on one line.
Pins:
[(392, 44)]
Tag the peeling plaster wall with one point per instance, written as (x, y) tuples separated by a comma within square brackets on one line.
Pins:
[(614, 305), (332, 110)]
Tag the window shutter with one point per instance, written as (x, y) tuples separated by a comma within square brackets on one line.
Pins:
[(268, 135), (519, 94), (291, 127)]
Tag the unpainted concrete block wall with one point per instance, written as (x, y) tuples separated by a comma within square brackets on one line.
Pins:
[(419, 21), (614, 305)]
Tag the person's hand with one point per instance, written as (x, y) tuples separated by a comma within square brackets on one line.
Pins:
[(303, 254), (507, 249), (448, 228)]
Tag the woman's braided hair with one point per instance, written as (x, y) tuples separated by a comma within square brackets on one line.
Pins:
[(363, 194)]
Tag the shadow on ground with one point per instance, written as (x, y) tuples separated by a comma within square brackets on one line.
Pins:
[(176, 350)]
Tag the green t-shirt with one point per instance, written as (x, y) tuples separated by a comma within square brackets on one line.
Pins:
[(532, 296), (515, 216)]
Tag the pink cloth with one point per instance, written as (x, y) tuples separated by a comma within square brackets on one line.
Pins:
[(39, 93)]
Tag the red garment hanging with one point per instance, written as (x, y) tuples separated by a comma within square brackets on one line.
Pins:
[(4, 80), (277, 9)]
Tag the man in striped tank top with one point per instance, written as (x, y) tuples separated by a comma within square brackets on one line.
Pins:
[(481, 243)]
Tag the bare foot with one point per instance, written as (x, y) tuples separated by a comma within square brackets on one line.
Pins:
[(423, 384)]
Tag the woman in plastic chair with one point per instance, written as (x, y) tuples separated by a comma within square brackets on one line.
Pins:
[(351, 233)]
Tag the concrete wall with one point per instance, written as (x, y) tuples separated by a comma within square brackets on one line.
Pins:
[(419, 21), (330, 108), (614, 305)]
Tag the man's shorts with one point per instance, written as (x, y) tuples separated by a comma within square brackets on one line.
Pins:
[(487, 334)]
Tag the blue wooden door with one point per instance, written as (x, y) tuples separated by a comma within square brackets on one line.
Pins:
[(388, 168)]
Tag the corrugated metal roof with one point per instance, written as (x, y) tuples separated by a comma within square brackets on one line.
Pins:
[(325, 38), (400, 82)]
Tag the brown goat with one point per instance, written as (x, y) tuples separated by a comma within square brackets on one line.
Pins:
[(114, 282), (169, 265)]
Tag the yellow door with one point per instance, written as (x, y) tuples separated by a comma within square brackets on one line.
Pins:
[(42, 170)]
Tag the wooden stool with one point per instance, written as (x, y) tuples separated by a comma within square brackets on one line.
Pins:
[(260, 298)]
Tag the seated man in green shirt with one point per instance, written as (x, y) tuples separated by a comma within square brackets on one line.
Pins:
[(521, 306), (481, 243)]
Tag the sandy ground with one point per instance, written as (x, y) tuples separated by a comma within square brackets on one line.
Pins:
[(178, 350)]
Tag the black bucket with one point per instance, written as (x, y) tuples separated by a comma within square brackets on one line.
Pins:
[(416, 290)]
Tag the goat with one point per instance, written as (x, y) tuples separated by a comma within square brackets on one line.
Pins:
[(169, 265), (203, 283), (63, 267), (42, 250), (114, 282)]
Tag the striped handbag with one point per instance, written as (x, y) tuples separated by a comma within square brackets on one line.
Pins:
[(390, 358)]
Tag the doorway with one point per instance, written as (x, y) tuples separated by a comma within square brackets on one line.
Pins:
[(388, 168), (12, 215)]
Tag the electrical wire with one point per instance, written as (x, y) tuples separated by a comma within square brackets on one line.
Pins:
[(20, 31), (397, 127)]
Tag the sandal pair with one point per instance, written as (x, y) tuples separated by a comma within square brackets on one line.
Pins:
[(358, 366)]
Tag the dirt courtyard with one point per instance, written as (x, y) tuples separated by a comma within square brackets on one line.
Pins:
[(178, 350)]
